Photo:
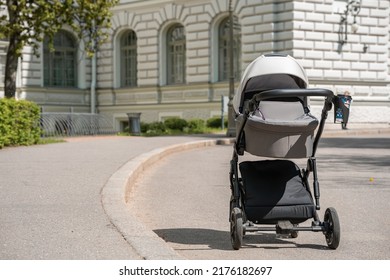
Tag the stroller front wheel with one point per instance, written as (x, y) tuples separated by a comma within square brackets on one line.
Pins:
[(332, 234), (236, 228)]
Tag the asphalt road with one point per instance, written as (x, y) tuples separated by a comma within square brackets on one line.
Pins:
[(185, 200)]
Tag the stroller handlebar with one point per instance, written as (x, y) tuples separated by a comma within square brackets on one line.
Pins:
[(281, 93), (285, 93)]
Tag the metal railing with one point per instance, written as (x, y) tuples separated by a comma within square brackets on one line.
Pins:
[(75, 124)]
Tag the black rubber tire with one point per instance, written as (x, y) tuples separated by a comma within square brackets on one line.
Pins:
[(236, 228), (332, 235)]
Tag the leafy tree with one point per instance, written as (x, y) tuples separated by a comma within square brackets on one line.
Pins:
[(28, 22)]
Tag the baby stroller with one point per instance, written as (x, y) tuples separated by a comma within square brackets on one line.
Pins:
[(273, 121)]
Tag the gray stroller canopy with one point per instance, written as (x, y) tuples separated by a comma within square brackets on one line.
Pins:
[(269, 72)]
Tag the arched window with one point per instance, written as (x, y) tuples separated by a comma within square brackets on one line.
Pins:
[(223, 49), (176, 55), (128, 59), (60, 65)]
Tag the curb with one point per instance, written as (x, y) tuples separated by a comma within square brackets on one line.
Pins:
[(356, 132), (115, 194)]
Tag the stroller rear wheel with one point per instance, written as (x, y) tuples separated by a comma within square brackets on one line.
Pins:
[(332, 234), (236, 228), (294, 233)]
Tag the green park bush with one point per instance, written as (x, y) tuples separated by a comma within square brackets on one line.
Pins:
[(19, 122), (153, 129), (196, 126), (176, 126), (216, 122), (175, 123)]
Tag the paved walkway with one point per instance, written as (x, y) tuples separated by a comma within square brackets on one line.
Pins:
[(184, 198), (66, 200), (51, 201)]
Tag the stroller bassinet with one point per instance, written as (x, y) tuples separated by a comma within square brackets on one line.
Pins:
[(273, 120)]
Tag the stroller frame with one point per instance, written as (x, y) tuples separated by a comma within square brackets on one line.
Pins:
[(239, 224)]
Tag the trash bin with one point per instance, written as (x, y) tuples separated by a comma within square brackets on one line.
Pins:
[(342, 105), (134, 123)]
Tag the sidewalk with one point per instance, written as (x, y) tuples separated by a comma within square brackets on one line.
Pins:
[(146, 242), (51, 197), (185, 200), (67, 200)]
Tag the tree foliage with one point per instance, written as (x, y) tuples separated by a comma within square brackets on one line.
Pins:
[(91, 20), (28, 22)]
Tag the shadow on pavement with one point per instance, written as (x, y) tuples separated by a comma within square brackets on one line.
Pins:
[(215, 239), (352, 162), (355, 143), (220, 240)]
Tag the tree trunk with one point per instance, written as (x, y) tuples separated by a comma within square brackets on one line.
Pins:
[(11, 67), (13, 52)]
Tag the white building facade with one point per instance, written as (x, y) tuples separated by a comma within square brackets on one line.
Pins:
[(169, 57)]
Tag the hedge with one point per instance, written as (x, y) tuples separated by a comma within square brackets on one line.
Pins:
[(216, 122), (19, 122), (173, 126), (175, 123)]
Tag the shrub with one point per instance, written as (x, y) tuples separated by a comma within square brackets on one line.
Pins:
[(175, 123), (154, 129), (195, 126), (5, 123), (144, 127), (215, 122), (177, 126), (19, 122)]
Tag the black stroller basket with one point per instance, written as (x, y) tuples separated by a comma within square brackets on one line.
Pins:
[(275, 195)]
